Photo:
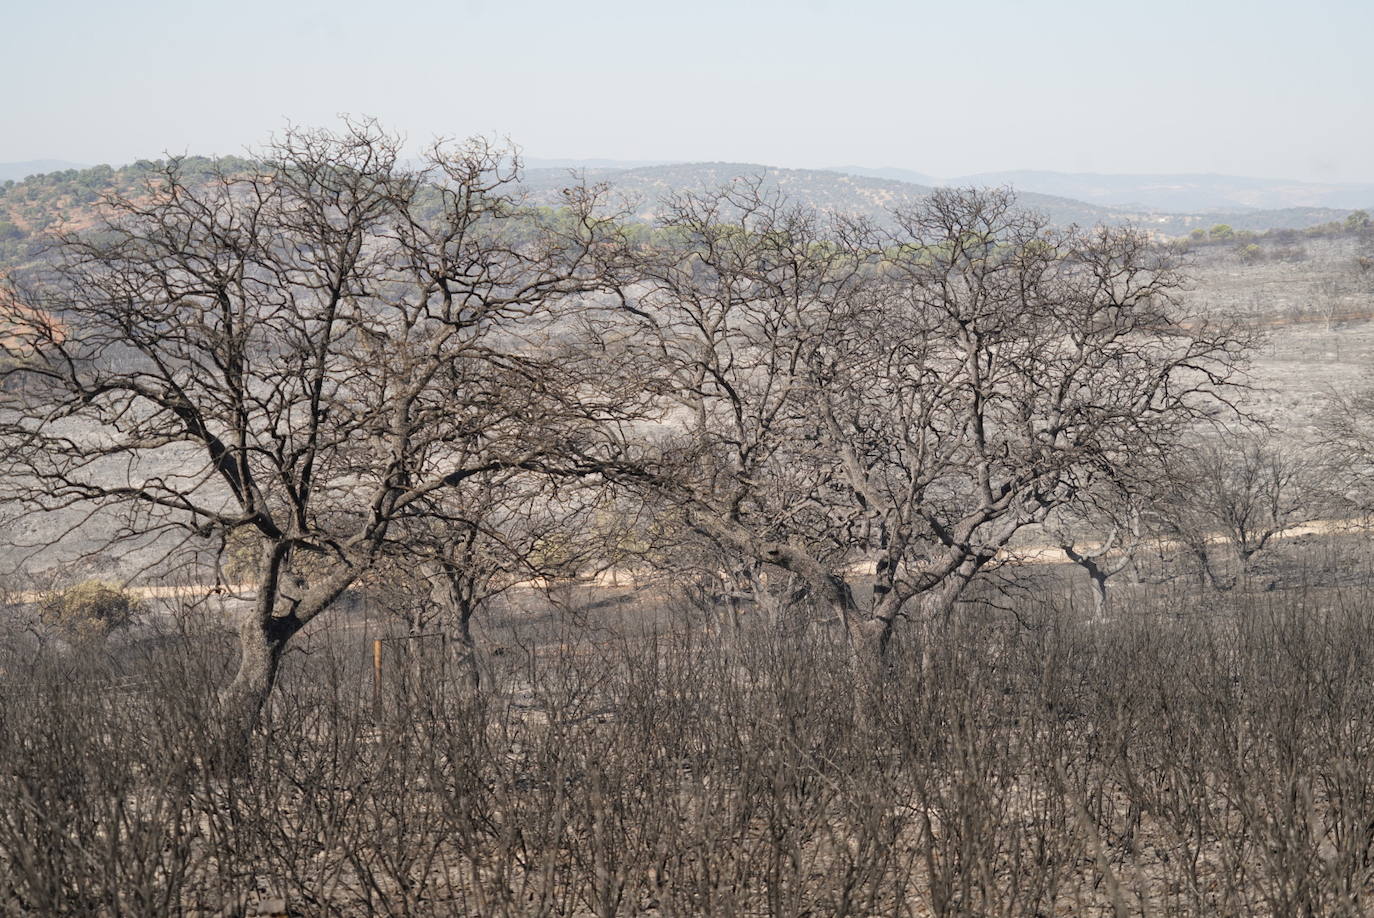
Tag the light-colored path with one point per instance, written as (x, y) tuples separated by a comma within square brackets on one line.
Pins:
[(1053, 554), (1025, 554)]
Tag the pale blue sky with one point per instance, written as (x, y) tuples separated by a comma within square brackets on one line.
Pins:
[(1251, 87)]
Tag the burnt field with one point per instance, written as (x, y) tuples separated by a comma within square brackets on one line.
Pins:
[(379, 543), (1194, 753)]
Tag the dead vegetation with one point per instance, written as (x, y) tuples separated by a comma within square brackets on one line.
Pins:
[(354, 385), (1197, 754)]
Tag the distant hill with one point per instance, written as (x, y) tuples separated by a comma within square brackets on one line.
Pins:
[(830, 191), (872, 195), (1258, 221), (537, 162), (68, 199), (890, 172), (1181, 193), (17, 171)]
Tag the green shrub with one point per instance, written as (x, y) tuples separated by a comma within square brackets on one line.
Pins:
[(89, 609)]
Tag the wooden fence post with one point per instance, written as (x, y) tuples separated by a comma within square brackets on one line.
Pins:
[(377, 678)]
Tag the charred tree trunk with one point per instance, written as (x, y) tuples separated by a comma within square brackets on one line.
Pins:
[(937, 606), (261, 645), (459, 594), (263, 637), (1101, 566), (1098, 579), (871, 635), (472, 663)]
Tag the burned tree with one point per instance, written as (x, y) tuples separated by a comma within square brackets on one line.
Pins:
[(719, 332), (475, 542), (1116, 516), (295, 357), (1232, 496), (891, 409)]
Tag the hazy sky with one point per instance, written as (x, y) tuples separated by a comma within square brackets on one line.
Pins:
[(1253, 87)]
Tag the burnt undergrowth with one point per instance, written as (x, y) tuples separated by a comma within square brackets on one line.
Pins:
[(1192, 754)]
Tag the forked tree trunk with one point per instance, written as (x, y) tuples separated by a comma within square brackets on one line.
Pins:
[(472, 663), (263, 637), (937, 606), (458, 595), (1099, 571), (870, 635), (1098, 578), (740, 590), (261, 645)]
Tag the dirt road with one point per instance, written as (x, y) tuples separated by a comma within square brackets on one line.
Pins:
[(1026, 554)]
